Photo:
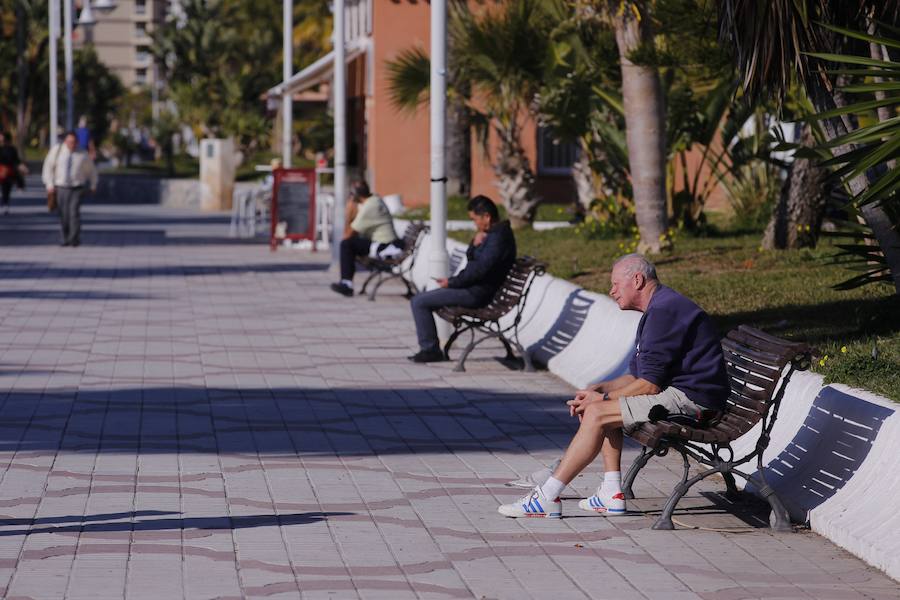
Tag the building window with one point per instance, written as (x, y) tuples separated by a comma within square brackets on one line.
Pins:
[(555, 157), (140, 29), (140, 76), (140, 7), (142, 53)]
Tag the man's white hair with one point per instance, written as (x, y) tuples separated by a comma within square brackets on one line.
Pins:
[(637, 263)]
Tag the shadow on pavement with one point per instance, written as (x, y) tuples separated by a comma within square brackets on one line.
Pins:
[(291, 422), (223, 523), (24, 270)]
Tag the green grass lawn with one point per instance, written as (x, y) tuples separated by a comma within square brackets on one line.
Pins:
[(784, 293)]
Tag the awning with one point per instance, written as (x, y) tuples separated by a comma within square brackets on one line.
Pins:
[(318, 72)]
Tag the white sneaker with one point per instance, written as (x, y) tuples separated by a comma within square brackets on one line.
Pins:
[(605, 504), (533, 505), (539, 477)]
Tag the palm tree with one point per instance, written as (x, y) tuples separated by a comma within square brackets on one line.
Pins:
[(777, 40), (644, 109), (497, 64)]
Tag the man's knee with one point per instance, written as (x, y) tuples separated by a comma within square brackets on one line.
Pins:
[(603, 415), (422, 300)]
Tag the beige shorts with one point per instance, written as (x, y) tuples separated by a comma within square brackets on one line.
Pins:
[(636, 409)]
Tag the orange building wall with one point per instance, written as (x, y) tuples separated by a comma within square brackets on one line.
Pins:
[(398, 145)]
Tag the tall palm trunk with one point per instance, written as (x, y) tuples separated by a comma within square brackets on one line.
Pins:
[(797, 217), (644, 131), (515, 179), (459, 148)]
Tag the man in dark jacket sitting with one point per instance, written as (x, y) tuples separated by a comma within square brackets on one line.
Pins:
[(490, 257)]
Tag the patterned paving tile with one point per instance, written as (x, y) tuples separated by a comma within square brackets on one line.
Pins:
[(184, 416)]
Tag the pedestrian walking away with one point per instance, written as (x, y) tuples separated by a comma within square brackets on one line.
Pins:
[(68, 171)]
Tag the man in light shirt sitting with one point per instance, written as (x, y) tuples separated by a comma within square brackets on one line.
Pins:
[(67, 171), (370, 233)]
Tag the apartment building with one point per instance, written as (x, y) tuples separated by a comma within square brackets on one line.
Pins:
[(122, 39)]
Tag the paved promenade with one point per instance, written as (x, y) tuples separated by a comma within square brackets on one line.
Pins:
[(183, 416)]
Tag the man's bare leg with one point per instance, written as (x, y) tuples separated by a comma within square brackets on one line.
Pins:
[(600, 431)]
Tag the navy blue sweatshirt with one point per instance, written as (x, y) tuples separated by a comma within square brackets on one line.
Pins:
[(678, 346), (488, 263)]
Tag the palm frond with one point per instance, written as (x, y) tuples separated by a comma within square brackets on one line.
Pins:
[(409, 77)]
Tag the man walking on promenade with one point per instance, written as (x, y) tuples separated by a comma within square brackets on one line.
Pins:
[(677, 364), (490, 257), (67, 170)]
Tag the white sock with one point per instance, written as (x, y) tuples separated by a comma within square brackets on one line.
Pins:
[(552, 488), (612, 483), (347, 282)]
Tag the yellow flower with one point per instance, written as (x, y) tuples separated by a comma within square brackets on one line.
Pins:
[(760, 249), (843, 349), (822, 363)]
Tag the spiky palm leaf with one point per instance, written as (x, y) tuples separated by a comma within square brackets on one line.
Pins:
[(409, 79)]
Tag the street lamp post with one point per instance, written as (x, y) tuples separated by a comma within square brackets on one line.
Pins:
[(287, 104), (340, 131), (53, 10), (439, 259), (85, 20)]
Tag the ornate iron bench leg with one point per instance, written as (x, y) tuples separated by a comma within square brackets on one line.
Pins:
[(639, 463), (526, 358), (456, 333), (410, 288), (381, 279), (780, 520), (461, 363), (731, 491), (372, 275), (665, 519)]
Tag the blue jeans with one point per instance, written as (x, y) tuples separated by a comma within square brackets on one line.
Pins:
[(423, 305)]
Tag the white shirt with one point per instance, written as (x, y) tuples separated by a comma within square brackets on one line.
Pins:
[(64, 168)]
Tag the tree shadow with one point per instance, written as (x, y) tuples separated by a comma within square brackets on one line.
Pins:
[(70, 295), (86, 524), (845, 320), (284, 421), (18, 270)]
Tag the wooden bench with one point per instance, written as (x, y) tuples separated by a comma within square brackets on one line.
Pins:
[(510, 297), (759, 367), (396, 267)]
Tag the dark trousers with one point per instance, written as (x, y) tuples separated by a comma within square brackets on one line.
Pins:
[(350, 249), (358, 246), (424, 304), (69, 200), (5, 189)]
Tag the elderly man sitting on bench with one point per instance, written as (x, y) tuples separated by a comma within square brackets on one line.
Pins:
[(677, 365), (490, 257)]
